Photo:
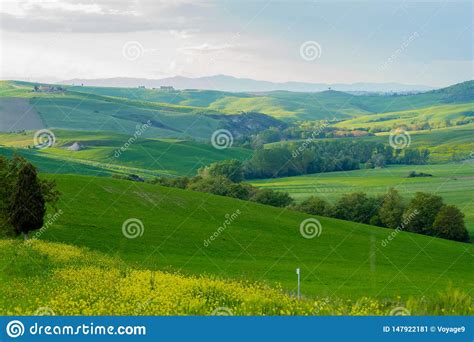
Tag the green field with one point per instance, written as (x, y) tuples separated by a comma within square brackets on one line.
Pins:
[(81, 111), (445, 144), (262, 243), (454, 182), (144, 156), (291, 105), (249, 264), (436, 116)]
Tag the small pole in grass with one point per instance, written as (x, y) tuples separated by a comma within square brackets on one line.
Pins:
[(298, 273)]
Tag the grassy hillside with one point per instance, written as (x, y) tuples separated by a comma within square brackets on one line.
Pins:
[(435, 116), (260, 243), (290, 105), (143, 156), (454, 182), (445, 144), (68, 280), (81, 111)]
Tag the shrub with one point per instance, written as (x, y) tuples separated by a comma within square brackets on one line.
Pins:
[(391, 211), (274, 198), (215, 185), (357, 207), (315, 206), (449, 224), (231, 169), (427, 206)]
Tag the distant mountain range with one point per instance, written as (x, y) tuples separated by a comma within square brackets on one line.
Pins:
[(233, 84)]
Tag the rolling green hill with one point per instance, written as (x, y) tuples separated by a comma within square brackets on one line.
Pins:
[(453, 182), (290, 105), (435, 116), (81, 111), (259, 243), (101, 151)]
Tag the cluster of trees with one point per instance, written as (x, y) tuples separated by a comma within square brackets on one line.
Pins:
[(424, 214), (23, 196), (225, 179), (420, 125), (302, 130), (322, 156)]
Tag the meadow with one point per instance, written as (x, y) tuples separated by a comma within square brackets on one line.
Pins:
[(63, 279), (454, 182), (144, 156), (261, 244), (192, 253), (296, 105)]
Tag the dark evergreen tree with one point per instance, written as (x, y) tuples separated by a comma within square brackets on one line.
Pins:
[(27, 205)]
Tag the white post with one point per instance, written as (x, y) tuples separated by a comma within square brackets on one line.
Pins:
[(298, 273)]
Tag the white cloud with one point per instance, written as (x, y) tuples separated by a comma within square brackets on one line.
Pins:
[(205, 49)]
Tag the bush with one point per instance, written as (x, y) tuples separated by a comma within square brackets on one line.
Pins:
[(427, 207), (315, 206), (178, 182), (274, 198), (215, 185), (357, 207), (449, 224), (231, 169), (391, 211)]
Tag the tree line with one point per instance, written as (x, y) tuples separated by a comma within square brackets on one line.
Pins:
[(425, 214), (308, 157)]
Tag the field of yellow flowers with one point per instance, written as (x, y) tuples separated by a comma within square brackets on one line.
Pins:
[(38, 278)]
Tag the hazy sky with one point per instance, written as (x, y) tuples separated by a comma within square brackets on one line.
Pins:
[(411, 42)]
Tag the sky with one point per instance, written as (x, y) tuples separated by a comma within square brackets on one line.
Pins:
[(411, 42)]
